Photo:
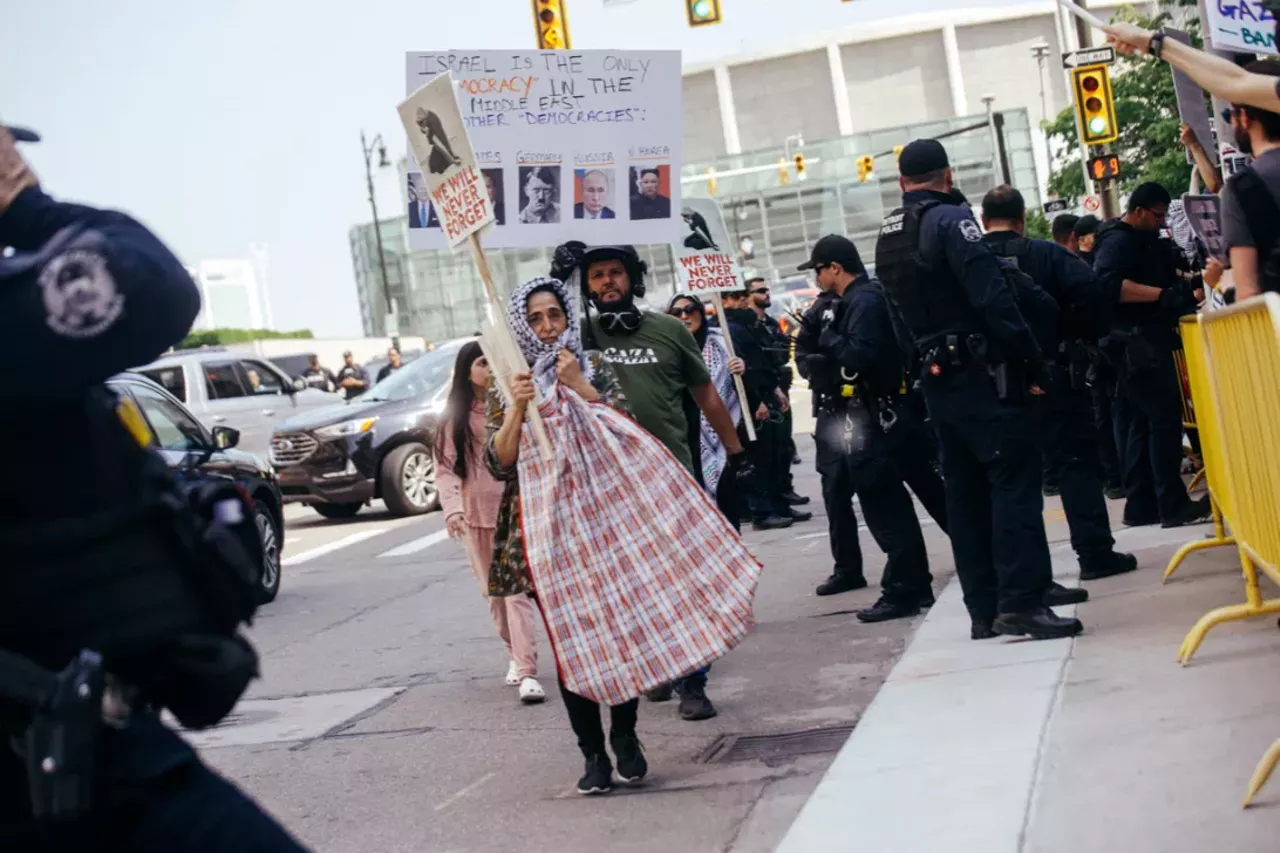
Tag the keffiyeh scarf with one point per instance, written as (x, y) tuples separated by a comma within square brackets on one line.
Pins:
[(541, 356), (714, 457)]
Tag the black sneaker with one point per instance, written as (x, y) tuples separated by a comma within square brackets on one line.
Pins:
[(694, 704), (884, 610), (773, 522), (980, 629), (1195, 512), (660, 694), (630, 754), (795, 459), (599, 776), (1051, 491), (793, 499), (839, 583), (1038, 624), (927, 600), (1114, 492), (1059, 596), (1107, 565), (800, 515), (1141, 521)]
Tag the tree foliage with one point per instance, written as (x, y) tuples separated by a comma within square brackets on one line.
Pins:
[(1037, 226), (217, 337), (1146, 113)]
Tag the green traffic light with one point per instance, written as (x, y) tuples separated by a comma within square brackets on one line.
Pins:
[(1097, 125), (702, 9)]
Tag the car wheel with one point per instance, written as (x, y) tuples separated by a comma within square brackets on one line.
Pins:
[(409, 480), (269, 534), (337, 510)]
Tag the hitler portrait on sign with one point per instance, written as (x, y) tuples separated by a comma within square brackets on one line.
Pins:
[(438, 138)]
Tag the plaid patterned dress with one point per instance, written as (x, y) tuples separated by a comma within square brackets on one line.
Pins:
[(639, 577)]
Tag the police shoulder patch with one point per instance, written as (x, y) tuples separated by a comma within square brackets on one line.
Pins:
[(969, 230), (81, 299)]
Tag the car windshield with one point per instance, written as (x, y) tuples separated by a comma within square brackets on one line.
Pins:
[(421, 377)]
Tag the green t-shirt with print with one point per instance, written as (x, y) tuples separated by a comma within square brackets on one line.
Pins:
[(656, 364)]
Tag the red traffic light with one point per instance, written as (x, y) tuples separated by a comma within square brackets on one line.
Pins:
[(1089, 84)]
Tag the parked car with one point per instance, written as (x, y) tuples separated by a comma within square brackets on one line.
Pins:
[(377, 445), (192, 452), (224, 388)]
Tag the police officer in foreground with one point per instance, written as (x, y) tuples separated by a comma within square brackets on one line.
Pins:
[(1066, 413), (867, 434), (1141, 273), (980, 366), (120, 593)]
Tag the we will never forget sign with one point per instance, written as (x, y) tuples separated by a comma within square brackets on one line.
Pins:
[(704, 256), (438, 137)]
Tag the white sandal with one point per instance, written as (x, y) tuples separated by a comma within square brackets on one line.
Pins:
[(513, 674), (531, 692)]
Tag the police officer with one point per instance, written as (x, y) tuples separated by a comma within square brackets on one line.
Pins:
[(1140, 271), (111, 603), (1067, 427), (865, 431), (980, 365), (779, 350)]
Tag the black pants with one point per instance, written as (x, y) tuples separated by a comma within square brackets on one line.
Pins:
[(991, 463), (765, 499), (158, 797), (1070, 439), (1104, 424), (1151, 407), (869, 459), (584, 716), (786, 450), (837, 496)]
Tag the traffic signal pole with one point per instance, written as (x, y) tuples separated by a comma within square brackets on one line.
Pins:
[(1107, 190)]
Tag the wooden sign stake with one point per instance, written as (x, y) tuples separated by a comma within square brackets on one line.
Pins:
[(748, 418)]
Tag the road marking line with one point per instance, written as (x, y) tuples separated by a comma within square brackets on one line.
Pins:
[(414, 546), (467, 790), (810, 536), (305, 556)]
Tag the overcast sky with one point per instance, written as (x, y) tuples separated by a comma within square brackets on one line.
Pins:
[(237, 121)]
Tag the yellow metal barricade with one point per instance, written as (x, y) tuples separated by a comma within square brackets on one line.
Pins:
[(1188, 415), (1197, 396), (1238, 401)]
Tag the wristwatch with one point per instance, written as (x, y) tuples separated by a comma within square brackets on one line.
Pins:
[(1156, 45)]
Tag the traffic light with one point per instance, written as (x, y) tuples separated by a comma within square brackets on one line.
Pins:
[(1106, 166), (799, 158), (865, 167), (897, 152), (784, 173), (712, 185), (702, 12), (1095, 105), (551, 24)]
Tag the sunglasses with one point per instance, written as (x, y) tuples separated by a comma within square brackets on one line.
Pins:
[(686, 311), (760, 290)]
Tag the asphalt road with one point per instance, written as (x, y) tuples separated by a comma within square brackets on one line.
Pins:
[(382, 722)]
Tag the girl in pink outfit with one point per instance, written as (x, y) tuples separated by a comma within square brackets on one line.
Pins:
[(471, 496)]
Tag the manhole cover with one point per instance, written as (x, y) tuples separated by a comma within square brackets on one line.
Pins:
[(772, 747)]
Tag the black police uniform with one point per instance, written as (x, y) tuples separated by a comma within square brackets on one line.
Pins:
[(1148, 404), (1068, 429), (89, 562), (952, 301), (870, 431), (780, 351)]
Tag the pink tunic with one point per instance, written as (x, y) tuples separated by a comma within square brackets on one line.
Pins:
[(477, 498)]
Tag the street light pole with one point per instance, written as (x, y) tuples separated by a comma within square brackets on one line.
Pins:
[(1040, 51), (368, 149)]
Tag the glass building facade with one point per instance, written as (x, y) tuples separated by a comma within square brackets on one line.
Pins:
[(773, 215)]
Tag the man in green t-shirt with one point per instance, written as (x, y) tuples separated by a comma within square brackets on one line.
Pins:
[(658, 363)]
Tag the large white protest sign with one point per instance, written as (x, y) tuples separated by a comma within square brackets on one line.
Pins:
[(1243, 26), (581, 145), (438, 139), (703, 253), (1204, 212)]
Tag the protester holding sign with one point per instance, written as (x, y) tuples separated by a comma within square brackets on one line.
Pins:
[(1251, 199)]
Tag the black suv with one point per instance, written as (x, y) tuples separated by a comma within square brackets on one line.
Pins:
[(192, 452), (378, 445)]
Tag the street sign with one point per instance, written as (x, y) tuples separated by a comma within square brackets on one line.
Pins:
[(1104, 167), (1092, 203), (1056, 205), (1091, 56)]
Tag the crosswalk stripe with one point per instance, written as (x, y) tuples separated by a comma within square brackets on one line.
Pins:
[(422, 543), (336, 545)]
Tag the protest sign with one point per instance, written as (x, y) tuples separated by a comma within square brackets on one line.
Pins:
[(703, 252), (1192, 108), (438, 140), (1241, 26), (1204, 212), (570, 145)]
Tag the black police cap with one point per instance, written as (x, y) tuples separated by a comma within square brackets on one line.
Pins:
[(834, 249), (1087, 224), (922, 156), (21, 134)]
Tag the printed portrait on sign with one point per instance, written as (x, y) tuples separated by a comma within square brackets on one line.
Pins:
[(699, 236), (539, 194), (493, 183), (593, 194), (421, 213), (651, 192)]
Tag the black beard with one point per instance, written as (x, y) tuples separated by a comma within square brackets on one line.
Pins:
[(1243, 143)]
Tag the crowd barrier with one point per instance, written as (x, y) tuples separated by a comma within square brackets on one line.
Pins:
[(1189, 418), (1233, 361)]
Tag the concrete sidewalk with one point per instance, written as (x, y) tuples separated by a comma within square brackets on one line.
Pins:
[(1095, 744)]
